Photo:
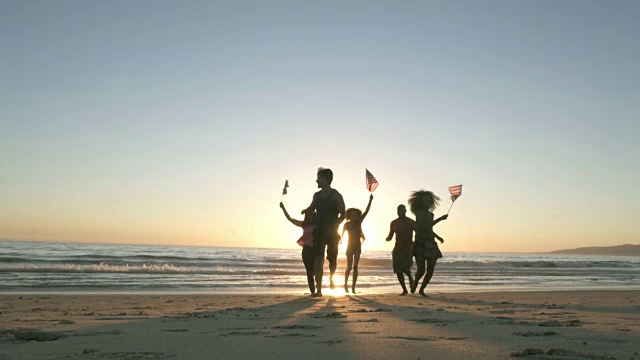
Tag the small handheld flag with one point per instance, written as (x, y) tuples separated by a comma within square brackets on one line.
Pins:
[(284, 189), (370, 181), (455, 191)]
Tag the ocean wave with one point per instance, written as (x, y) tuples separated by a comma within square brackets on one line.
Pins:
[(543, 264), (149, 269), (146, 257), (173, 261), (13, 259)]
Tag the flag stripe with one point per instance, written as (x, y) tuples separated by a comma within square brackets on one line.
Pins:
[(455, 190), (370, 181)]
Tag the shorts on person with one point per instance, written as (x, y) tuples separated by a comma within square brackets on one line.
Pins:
[(402, 259), (326, 238), (354, 250), (428, 249)]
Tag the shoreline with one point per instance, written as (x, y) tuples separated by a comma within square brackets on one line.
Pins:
[(385, 289), (582, 324)]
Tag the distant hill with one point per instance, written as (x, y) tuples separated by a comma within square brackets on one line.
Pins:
[(620, 250)]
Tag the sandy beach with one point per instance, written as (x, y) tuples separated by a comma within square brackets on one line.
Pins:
[(537, 325)]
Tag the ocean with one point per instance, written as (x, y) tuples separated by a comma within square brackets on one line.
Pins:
[(47, 267)]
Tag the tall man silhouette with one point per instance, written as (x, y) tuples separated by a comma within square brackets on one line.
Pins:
[(330, 210), (403, 227)]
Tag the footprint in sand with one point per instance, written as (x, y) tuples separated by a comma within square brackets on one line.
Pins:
[(556, 323), (428, 338), (297, 327), (129, 355), (291, 335), (99, 333), (367, 320), (435, 321), (535, 333), (245, 333), (33, 335), (369, 310), (177, 330), (559, 354), (332, 315), (329, 342), (502, 311)]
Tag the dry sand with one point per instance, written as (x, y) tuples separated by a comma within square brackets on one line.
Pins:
[(533, 325)]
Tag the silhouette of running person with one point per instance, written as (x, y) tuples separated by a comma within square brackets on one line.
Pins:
[(329, 207), (306, 241), (353, 227), (403, 227), (425, 249)]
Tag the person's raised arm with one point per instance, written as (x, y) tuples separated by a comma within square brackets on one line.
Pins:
[(366, 211), (286, 214), (390, 236), (443, 217)]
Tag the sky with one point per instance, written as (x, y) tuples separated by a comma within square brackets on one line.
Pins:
[(166, 122)]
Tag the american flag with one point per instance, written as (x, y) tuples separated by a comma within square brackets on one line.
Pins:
[(286, 185), (455, 191), (371, 182)]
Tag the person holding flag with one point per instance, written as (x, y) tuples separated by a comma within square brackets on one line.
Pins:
[(353, 227), (306, 242), (330, 213), (425, 249)]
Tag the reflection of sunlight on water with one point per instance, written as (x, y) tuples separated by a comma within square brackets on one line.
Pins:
[(337, 292)]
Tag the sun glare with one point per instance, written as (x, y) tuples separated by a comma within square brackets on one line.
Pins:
[(337, 292), (368, 244)]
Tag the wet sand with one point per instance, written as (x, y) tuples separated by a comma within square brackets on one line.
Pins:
[(497, 325)]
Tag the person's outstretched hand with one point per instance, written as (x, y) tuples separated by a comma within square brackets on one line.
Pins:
[(441, 240), (281, 205), (371, 196), (445, 216)]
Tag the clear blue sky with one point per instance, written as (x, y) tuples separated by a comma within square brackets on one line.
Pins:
[(177, 122)]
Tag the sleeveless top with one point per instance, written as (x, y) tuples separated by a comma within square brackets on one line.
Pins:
[(307, 236), (354, 229), (424, 226), (327, 211)]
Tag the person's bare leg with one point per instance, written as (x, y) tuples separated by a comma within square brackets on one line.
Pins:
[(347, 272), (332, 256), (420, 262), (318, 274), (333, 265), (356, 261), (401, 281), (410, 278), (431, 267)]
